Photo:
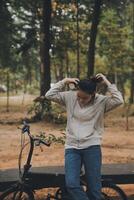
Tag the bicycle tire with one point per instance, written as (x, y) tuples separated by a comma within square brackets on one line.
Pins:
[(15, 193), (111, 191)]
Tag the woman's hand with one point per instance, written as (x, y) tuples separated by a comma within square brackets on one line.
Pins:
[(103, 79), (71, 80)]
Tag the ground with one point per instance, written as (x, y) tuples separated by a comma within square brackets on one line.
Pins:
[(117, 143)]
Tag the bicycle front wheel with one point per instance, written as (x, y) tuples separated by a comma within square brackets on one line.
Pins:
[(112, 192), (16, 194)]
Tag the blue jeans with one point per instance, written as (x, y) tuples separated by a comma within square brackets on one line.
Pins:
[(91, 159)]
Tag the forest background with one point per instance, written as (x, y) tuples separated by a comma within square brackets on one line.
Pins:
[(43, 41)]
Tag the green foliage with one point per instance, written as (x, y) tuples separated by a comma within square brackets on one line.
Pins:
[(40, 109), (20, 41), (113, 44), (50, 138)]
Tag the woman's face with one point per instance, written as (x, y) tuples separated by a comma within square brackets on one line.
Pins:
[(84, 98)]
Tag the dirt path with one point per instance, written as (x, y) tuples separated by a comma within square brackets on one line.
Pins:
[(117, 147), (117, 144)]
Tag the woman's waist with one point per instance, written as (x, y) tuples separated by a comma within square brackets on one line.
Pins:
[(83, 142), (84, 132)]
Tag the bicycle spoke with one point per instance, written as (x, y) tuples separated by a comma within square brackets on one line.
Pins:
[(17, 195), (14, 195)]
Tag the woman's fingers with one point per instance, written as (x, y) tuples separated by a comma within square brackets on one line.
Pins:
[(98, 76), (75, 80), (71, 80)]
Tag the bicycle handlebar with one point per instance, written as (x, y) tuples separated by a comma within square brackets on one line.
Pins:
[(40, 141)]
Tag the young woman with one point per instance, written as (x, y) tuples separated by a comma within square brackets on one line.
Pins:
[(85, 115)]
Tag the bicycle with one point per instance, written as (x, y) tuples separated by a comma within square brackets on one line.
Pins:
[(22, 189)]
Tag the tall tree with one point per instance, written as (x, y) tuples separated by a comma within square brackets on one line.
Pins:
[(132, 74), (45, 47), (6, 30), (93, 34), (78, 43)]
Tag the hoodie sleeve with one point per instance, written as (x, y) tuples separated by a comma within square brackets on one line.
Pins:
[(56, 94), (114, 100)]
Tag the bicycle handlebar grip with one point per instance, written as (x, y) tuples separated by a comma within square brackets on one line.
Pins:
[(25, 128)]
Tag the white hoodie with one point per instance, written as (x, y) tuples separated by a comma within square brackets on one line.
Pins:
[(84, 125)]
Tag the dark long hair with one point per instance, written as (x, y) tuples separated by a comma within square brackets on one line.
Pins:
[(88, 85)]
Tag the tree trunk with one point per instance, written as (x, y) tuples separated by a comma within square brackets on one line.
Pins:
[(8, 82), (121, 85), (132, 73), (44, 48), (93, 34), (61, 67), (27, 64), (67, 64), (132, 88), (78, 44), (45, 77)]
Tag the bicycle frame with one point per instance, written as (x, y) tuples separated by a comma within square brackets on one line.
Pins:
[(27, 166)]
